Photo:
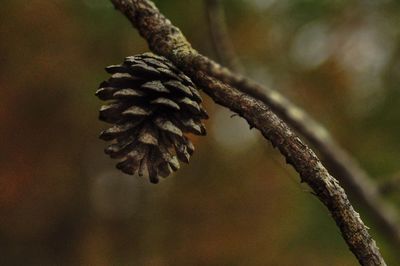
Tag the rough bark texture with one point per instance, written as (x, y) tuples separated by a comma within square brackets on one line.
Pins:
[(167, 40), (306, 163)]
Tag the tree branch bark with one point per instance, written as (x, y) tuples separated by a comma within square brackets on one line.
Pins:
[(167, 40), (338, 161)]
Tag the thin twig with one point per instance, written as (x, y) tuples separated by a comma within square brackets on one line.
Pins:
[(221, 40), (167, 40), (339, 162)]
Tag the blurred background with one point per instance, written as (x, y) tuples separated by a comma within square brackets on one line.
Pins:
[(63, 203)]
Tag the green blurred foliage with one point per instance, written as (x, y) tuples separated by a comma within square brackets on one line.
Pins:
[(62, 202)]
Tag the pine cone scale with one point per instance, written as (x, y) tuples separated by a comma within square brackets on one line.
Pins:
[(155, 86), (166, 102), (148, 136)]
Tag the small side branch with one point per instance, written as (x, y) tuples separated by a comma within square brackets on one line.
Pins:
[(167, 40), (221, 40)]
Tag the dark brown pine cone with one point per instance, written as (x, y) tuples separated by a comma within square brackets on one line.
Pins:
[(152, 105)]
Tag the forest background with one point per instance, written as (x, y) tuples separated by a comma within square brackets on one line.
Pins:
[(237, 203)]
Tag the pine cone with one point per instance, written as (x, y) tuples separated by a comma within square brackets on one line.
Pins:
[(152, 105)]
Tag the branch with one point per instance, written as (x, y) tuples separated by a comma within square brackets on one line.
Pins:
[(167, 40), (219, 35), (338, 161)]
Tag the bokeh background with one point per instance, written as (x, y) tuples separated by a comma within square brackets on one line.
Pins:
[(63, 203)]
